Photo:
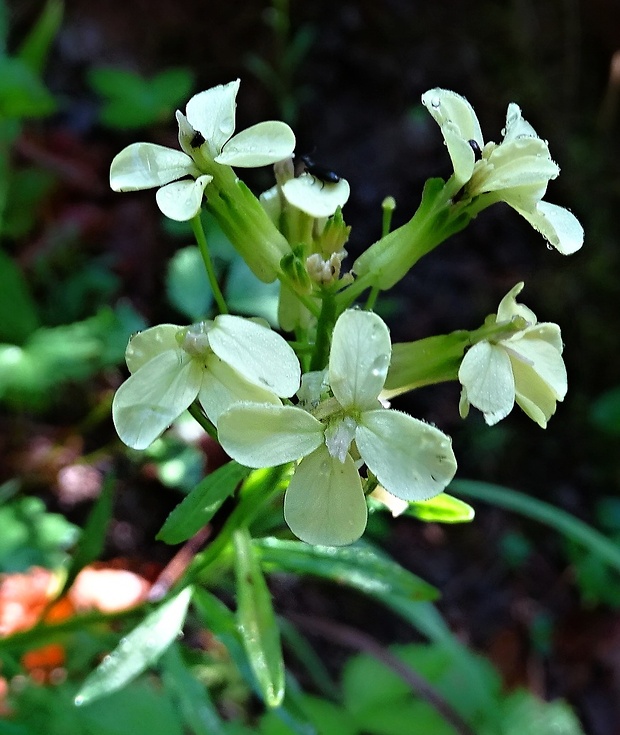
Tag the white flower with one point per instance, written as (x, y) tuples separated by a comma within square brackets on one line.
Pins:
[(325, 502), (526, 367), (517, 170), (204, 135), (218, 362), (315, 197)]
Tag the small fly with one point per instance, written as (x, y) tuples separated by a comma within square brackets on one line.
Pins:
[(197, 140)]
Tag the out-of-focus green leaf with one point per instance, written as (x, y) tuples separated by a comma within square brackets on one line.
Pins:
[(197, 509), (133, 102), (192, 696), (443, 508), (326, 718), (359, 566), (22, 93), (522, 712), (18, 314), (245, 294), (35, 48), (27, 187), (92, 539), (187, 284), (138, 650), (31, 536), (605, 412), (257, 621)]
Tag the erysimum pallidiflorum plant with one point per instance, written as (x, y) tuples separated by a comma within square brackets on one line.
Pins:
[(302, 410)]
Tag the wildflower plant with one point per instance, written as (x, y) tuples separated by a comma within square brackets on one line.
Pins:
[(303, 409)]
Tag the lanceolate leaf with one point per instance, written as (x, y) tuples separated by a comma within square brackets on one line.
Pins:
[(257, 621), (138, 650), (197, 509), (360, 566)]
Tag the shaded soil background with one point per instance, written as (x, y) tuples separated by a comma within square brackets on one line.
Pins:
[(508, 586)]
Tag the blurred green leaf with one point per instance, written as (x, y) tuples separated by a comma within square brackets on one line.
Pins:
[(522, 713), (34, 50), (92, 538), (22, 93), (360, 566), (187, 284), (18, 313), (257, 622), (191, 695), (137, 650), (605, 412), (33, 537), (197, 509), (443, 508), (26, 189), (245, 294), (131, 101)]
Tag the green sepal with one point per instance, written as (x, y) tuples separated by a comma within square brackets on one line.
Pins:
[(425, 362), (257, 622), (443, 508)]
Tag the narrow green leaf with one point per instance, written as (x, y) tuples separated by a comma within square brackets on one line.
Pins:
[(22, 93), (443, 508), (201, 504), (257, 621), (194, 703), (35, 48), (550, 515), (92, 540), (360, 566), (138, 650)]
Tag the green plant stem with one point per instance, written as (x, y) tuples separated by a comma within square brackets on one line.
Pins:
[(201, 239), (372, 298), (323, 333), (542, 512), (196, 412)]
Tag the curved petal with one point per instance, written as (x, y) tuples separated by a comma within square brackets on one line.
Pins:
[(261, 435), (547, 332), (359, 358), (146, 165), (557, 225), (533, 394), (222, 386), (146, 345), (522, 197), (181, 200), (411, 459), (461, 153), (259, 354), (516, 126), (509, 308), (315, 197), (486, 375), (212, 113), (259, 145), (150, 399), (324, 502), (520, 162), (543, 359)]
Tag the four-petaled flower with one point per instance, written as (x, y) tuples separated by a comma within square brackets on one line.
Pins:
[(526, 367), (515, 171), (205, 136), (218, 362), (335, 433)]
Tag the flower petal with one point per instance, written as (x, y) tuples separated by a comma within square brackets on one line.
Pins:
[(181, 200), (533, 394), (259, 354), (459, 125), (519, 162), (259, 145), (150, 399), (222, 386), (146, 345), (315, 197), (508, 307), (324, 502), (411, 459), (212, 113), (543, 359), (546, 331), (557, 225), (260, 435), (359, 358), (146, 165), (486, 375), (516, 126)]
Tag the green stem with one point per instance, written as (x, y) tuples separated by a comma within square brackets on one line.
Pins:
[(372, 298), (542, 512), (196, 412), (201, 239), (324, 330)]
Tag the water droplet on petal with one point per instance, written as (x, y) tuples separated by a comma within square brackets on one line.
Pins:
[(436, 102)]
